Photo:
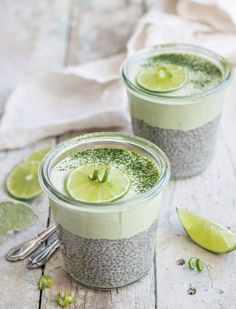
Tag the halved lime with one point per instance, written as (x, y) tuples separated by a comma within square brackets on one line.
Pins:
[(82, 186), (15, 216), (207, 234), (23, 181), (38, 155), (162, 78)]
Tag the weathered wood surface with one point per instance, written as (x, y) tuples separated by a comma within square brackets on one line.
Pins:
[(33, 38), (43, 35)]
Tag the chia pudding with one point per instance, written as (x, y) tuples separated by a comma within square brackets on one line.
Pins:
[(106, 244), (176, 95)]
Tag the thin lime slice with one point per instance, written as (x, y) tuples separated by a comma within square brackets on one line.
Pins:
[(15, 216), (23, 180), (87, 185), (207, 234), (162, 78), (38, 155)]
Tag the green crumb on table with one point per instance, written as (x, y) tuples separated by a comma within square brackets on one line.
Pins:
[(195, 263), (45, 282), (64, 301)]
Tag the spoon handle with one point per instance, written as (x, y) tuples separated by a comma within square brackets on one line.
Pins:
[(22, 250), (38, 259)]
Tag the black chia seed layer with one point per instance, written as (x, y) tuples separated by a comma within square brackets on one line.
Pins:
[(105, 263), (189, 152)]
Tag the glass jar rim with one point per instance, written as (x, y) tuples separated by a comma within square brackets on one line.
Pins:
[(223, 65), (60, 149)]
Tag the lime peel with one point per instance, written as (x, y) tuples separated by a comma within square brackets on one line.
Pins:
[(195, 263), (206, 233), (99, 175)]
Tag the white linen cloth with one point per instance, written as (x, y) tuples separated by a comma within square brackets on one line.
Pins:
[(91, 95)]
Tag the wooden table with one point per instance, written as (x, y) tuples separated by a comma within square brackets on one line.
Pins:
[(37, 36)]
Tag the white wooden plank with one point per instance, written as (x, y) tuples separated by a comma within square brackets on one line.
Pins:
[(33, 37), (211, 194), (95, 18), (26, 294)]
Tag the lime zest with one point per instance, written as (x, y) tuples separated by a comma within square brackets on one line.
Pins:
[(99, 175), (195, 263), (65, 300), (104, 178), (163, 73), (45, 282), (94, 176)]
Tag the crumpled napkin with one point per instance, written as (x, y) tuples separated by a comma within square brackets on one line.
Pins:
[(91, 95)]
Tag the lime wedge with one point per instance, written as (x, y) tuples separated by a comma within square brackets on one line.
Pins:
[(38, 155), (89, 183), (207, 234), (23, 181), (15, 216), (162, 78)]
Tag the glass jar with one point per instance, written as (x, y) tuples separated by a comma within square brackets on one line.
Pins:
[(183, 126), (111, 244)]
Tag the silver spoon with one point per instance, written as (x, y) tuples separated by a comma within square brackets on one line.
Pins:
[(39, 258), (24, 249)]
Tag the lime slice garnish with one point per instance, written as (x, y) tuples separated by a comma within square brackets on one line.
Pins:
[(38, 155), (207, 234), (23, 180), (90, 183), (162, 78), (15, 216)]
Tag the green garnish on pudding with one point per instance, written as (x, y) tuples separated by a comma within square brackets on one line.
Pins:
[(100, 187), (104, 175), (176, 74), (162, 78)]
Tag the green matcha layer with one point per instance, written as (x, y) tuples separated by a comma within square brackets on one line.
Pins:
[(142, 172), (202, 74), (177, 110), (120, 220)]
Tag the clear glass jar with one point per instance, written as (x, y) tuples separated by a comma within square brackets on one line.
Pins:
[(112, 244), (183, 126)]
